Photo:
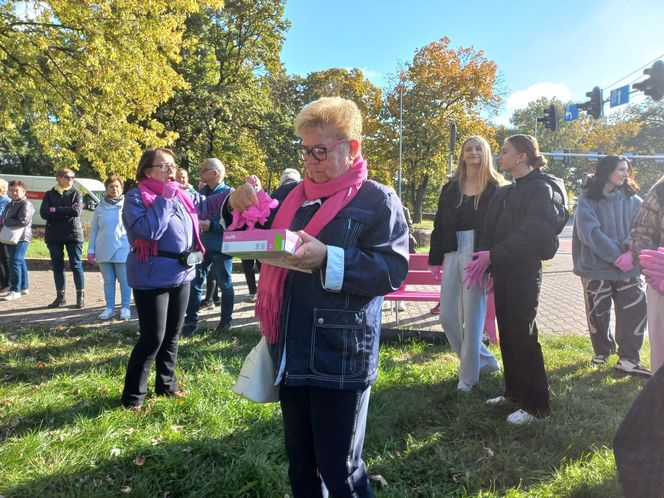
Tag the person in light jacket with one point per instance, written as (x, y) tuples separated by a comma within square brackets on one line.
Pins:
[(605, 211), (109, 247), (61, 208), (18, 214), (4, 248)]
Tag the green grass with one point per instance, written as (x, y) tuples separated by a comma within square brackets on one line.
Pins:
[(424, 225), (63, 432), (38, 249)]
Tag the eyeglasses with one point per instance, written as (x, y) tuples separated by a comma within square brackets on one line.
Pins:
[(69, 177), (165, 166), (319, 152)]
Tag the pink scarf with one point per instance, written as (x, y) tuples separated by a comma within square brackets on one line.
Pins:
[(339, 192), (150, 188)]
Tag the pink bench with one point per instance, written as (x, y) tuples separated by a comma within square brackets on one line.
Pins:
[(419, 274)]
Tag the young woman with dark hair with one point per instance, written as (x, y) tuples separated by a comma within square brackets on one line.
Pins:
[(605, 211), (521, 230)]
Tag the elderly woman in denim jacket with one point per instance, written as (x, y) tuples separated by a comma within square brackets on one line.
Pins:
[(323, 323), (161, 219)]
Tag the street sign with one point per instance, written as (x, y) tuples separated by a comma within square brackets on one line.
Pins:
[(620, 96), (571, 112)]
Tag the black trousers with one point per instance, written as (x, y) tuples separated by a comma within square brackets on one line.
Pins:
[(4, 266), (160, 317), (324, 433), (516, 297), (249, 267)]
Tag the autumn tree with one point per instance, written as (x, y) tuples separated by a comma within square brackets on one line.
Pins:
[(226, 109), (84, 78), (440, 85)]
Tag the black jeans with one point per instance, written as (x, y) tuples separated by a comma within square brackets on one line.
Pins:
[(249, 267), (160, 317), (4, 266), (516, 297), (324, 432)]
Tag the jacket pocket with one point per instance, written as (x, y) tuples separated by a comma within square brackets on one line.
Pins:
[(338, 343)]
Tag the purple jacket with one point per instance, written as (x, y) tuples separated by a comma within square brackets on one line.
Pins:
[(167, 222)]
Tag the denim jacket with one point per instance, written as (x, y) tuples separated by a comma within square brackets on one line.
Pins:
[(330, 338)]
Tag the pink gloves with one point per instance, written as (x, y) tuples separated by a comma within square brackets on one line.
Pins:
[(254, 214), (170, 189), (437, 272), (476, 268), (51, 210), (625, 262), (653, 268), (91, 258)]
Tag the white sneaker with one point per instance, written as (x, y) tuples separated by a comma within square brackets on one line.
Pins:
[(125, 314), (25, 292), (463, 387), (107, 314), (520, 417), (11, 296), (495, 401)]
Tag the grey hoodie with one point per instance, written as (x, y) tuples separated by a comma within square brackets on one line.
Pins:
[(601, 234)]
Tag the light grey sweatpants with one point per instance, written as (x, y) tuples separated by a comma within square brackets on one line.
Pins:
[(463, 310)]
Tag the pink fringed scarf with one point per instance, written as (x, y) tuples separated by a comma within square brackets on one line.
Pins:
[(339, 192), (150, 188)]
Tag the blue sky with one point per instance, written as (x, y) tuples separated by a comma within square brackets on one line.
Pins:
[(557, 48)]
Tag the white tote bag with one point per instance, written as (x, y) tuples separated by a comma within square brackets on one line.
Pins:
[(256, 379), (11, 235)]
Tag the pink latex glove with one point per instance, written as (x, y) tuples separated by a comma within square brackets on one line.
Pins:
[(476, 268), (91, 258), (437, 272), (51, 210), (625, 262), (653, 268), (254, 214), (489, 285), (170, 189)]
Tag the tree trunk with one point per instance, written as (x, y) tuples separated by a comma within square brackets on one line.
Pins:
[(418, 200)]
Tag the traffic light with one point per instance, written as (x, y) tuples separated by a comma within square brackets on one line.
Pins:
[(595, 106), (550, 118), (654, 86)]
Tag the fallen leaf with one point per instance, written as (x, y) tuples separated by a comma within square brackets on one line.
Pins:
[(379, 479), (41, 364), (488, 452), (187, 450), (129, 431), (457, 478), (139, 460), (156, 440), (125, 489), (97, 482), (115, 452)]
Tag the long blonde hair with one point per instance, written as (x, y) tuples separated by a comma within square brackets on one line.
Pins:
[(487, 173)]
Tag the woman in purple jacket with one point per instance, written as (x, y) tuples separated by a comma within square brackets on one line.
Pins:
[(161, 219)]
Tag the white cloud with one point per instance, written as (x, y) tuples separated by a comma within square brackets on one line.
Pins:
[(376, 77), (521, 98)]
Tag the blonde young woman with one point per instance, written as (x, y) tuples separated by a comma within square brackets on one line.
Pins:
[(462, 209)]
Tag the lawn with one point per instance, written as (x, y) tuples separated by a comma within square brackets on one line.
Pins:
[(63, 432)]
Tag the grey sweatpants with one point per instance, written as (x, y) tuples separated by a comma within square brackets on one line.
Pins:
[(630, 309)]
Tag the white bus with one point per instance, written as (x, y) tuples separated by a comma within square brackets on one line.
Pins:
[(93, 191)]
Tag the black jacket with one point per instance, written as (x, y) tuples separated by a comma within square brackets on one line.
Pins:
[(521, 226), (443, 236), (65, 224)]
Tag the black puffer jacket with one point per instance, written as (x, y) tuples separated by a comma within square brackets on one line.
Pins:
[(521, 225), (65, 224), (443, 236)]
